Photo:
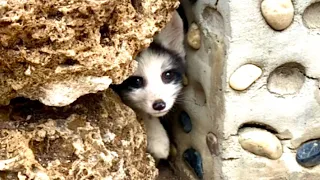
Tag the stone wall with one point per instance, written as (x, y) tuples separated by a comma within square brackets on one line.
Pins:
[(252, 103), (57, 51)]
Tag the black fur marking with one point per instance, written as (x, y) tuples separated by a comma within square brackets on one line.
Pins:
[(177, 62)]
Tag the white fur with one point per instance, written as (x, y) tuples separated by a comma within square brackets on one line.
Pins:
[(151, 66), (158, 141)]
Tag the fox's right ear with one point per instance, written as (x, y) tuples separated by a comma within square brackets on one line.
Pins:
[(172, 36)]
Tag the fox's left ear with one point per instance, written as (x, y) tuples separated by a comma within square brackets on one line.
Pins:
[(172, 35)]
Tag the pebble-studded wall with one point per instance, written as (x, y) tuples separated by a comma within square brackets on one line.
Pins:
[(251, 106)]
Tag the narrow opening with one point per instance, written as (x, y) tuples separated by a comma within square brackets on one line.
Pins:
[(259, 126)]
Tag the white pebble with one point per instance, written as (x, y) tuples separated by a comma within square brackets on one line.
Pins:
[(194, 36), (244, 76), (278, 13), (28, 71), (260, 142)]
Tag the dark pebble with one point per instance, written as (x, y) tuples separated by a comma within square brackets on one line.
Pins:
[(185, 122), (308, 154), (193, 158)]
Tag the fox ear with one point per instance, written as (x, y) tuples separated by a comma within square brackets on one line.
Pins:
[(172, 36)]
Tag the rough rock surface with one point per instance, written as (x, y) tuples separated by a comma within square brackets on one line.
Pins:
[(96, 137), (55, 51)]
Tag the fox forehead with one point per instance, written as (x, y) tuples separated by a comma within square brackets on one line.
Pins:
[(153, 64), (157, 59)]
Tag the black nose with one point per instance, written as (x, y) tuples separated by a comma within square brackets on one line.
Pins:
[(159, 105)]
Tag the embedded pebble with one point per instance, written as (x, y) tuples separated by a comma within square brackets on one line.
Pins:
[(194, 36), (185, 80), (212, 143), (185, 122), (277, 13), (244, 76), (173, 151), (260, 142), (194, 160), (308, 154)]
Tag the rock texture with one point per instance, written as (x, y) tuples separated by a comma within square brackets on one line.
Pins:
[(55, 51), (96, 137)]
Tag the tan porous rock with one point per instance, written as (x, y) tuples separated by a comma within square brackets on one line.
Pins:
[(96, 137), (77, 46)]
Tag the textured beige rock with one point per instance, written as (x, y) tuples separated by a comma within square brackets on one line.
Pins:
[(260, 142), (44, 44), (244, 76), (96, 137), (194, 36), (278, 13)]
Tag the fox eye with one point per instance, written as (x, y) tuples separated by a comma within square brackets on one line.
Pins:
[(135, 82), (168, 76)]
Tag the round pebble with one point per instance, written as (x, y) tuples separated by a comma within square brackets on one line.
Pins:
[(212, 143), (173, 151), (260, 142), (194, 36), (194, 160), (244, 76), (308, 154), (185, 80), (277, 13), (185, 122)]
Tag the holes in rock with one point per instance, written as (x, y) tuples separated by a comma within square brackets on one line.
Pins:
[(50, 150), (259, 126), (199, 94), (26, 110), (311, 16), (9, 175), (54, 14), (105, 34), (286, 79), (137, 5), (70, 62)]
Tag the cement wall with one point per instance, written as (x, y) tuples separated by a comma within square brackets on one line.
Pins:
[(253, 92)]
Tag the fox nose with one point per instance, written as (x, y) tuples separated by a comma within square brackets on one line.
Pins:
[(159, 105)]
